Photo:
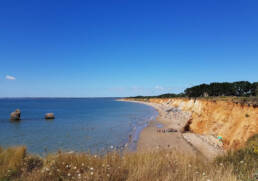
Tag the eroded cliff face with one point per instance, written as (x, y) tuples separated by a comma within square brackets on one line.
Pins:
[(234, 122)]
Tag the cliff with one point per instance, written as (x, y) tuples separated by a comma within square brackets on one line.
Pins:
[(233, 121)]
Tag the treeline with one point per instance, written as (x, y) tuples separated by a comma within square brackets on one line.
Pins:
[(239, 89), (168, 95)]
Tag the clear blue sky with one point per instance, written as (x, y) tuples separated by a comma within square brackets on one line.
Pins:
[(71, 48)]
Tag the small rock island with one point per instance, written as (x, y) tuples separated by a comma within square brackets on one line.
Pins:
[(16, 115), (49, 116)]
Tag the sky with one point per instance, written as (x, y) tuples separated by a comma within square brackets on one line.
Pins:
[(106, 48)]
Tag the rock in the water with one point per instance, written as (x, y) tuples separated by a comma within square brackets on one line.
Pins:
[(16, 115), (50, 116)]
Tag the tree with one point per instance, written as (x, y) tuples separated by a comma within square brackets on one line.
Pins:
[(254, 89), (242, 88)]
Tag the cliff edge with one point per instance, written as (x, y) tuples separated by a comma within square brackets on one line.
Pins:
[(232, 121)]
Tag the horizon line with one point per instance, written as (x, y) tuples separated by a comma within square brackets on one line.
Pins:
[(57, 97)]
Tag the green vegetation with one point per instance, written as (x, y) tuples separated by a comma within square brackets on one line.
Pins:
[(215, 89), (15, 164), (244, 161), (239, 89), (168, 95)]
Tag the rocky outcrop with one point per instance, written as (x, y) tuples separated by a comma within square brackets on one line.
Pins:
[(16, 115), (49, 116)]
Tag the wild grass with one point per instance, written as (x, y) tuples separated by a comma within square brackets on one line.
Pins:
[(11, 161), (243, 161), (161, 165)]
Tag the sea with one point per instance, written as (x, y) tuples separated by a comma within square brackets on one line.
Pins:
[(94, 125)]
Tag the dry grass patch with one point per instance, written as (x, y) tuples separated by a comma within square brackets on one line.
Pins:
[(151, 166), (11, 161), (243, 161), (161, 165)]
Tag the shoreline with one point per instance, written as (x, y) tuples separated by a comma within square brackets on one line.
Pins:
[(153, 138), (133, 138), (150, 139)]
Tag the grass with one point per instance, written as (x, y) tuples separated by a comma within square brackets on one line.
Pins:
[(252, 100), (11, 161), (161, 165), (244, 161)]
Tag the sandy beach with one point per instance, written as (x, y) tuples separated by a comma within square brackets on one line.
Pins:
[(172, 134)]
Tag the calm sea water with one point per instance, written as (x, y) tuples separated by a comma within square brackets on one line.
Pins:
[(81, 124)]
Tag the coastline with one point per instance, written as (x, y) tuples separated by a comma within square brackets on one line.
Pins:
[(152, 137), (133, 138)]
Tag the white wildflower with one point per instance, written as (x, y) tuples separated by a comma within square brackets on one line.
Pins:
[(91, 173), (68, 174)]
